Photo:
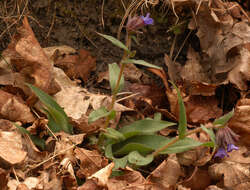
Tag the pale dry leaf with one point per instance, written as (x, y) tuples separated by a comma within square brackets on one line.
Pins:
[(166, 175), (240, 74), (11, 148), (103, 175), (131, 179)]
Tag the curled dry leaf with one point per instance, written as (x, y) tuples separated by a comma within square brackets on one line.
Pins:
[(130, 179), (103, 175), (90, 162), (14, 108), (166, 175), (11, 148), (240, 122), (28, 58)]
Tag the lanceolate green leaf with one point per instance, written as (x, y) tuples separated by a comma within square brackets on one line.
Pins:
[(97, 114), (114, 71), (146, 126), (224, 119), (210, 133), (114, 41), (181, 146), (182, 127), (141, 143), (141, 62), (55, 111), (136, 158)]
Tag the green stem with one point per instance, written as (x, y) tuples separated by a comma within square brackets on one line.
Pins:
[(114, 95), (155, 153)]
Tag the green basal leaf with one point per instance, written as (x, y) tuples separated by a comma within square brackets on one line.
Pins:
[(182, 145), (146, 126), (144, 144), (114, 134), (108, 152), (55, 111), (114, 71), (140, 62), (36, 140), (224, 119), (182, 127), (114, 41), (52, 124), (97, 114), (112, 114), (136, 158), (120, 162)]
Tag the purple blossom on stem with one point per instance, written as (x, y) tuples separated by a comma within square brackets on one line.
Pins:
[(147, 20), (225, 139), (136, 22), (231, 147), (221, 153)]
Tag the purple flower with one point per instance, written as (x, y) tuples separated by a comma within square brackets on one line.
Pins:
[(136, 22), (225, 139), (221, 153), (231, 147), (147, 20)]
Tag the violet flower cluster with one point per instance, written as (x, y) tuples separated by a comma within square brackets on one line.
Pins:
[(137, 22), (225, 139)]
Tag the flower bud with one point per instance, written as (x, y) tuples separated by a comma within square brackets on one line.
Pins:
[(136, 22)]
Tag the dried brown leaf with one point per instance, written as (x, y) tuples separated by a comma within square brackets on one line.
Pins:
[(78, 65), (131, 179), (200, 109), (11, 148), (198, 180), (90, 162), (28, 58), (14, 108), (240, 122), (166, 175)]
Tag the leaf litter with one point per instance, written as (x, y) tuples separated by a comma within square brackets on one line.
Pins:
[(72, 162)]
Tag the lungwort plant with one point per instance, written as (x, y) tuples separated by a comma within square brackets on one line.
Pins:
[(138, 143)]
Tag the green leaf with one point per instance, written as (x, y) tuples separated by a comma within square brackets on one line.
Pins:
[(182, 127), (97, 114), (157, 116), (141, 62), (54, 110), (182, 145), (120, 162), (141, 143), (146, 126), (114, 134), (136, 158), (224, 119), (114, 71), (114, 41)]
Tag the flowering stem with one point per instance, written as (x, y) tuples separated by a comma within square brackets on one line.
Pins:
[(114, 95), (155, 153)]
